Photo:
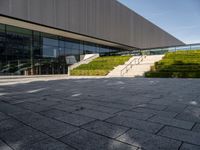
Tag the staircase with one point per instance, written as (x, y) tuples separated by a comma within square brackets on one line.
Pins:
[(144, 66), (116, 72), (135, 67)]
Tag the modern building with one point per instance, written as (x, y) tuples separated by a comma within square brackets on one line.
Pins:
[(36, 36)]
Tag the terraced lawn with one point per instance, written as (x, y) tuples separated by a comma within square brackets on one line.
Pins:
[(100, 66), (181, 64)]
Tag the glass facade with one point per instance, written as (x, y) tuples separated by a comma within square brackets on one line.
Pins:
[(27, 52), (164, 50)]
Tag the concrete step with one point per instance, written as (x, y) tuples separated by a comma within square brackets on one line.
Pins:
[(136, 70), (116, 72), (144, 66)]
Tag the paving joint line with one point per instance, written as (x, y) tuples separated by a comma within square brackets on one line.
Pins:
[(180, 145), (195, 123), (7, 144), (115, 139), (40, 132)]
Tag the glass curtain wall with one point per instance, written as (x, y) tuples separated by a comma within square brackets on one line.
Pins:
[(27, 52), (171, 49)]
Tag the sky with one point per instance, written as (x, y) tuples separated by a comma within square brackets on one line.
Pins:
[(181, 18)]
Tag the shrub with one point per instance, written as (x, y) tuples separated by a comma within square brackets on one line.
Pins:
[(100, 66)]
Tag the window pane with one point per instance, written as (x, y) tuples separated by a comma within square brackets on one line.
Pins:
[(2, 27), (2, 36), (18, 30), (72, 45), (61, 43), (90, 48), (75, 52), (68, 51), (52, 42), (68, 44), (75, 45), (61, 51), (50, 51)]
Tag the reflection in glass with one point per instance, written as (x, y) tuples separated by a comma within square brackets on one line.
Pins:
[(50, 51), (27, 52)]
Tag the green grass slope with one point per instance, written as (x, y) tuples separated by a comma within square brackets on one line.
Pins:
[(100, 66), (181, 64)]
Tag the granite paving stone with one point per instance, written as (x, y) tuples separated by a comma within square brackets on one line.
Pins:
[(151, 106), (49, 126), (190, 114), (68, 102), (135, 115), (33, 106), (176, 108), (28, 117), (98, 108), (48, 103), (9, 124), (50, 113), (165, 100), (19, 99), (112, 105), (28, 99), (84, 140), (116, 145), (196, 128), (155, 112), (181, 134), (70, 118), (48, 144), (21, 137), (149, 141), (93, 114), (53, 128), (136, 124), (107, 129), (4, 146), (186, 146), (172, 122), (67, 108), (9, 109), (3, 116)]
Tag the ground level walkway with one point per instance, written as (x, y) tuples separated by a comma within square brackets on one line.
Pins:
[(100, 114)]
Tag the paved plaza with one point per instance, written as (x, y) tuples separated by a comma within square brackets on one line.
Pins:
[(100, 114)]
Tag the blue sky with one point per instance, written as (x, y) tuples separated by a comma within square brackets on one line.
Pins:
[(180, 18)]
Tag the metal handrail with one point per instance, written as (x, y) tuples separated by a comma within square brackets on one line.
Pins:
[(130, 65)]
